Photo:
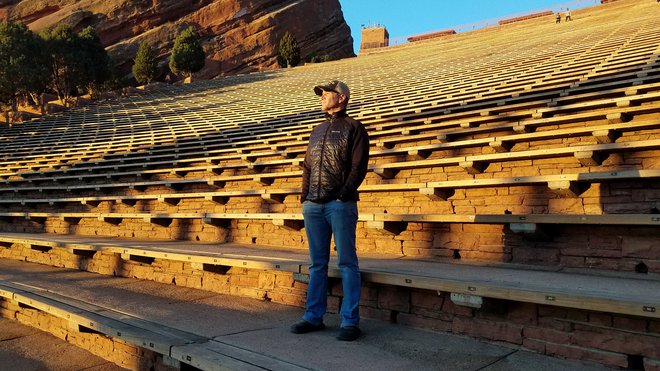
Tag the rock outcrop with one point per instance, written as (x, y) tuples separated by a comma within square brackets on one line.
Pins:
[(238, 35)]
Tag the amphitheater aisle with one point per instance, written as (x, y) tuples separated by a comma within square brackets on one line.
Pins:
[(263, 327)]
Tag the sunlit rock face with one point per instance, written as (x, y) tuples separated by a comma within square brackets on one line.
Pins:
[(238, 35)]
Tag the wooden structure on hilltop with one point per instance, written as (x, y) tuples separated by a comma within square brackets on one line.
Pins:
[(374, 37), (431, 35), (515, 169), (525, 17)]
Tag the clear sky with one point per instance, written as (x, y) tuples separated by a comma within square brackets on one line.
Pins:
[(411, 17)]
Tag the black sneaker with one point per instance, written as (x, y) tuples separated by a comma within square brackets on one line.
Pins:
[(304, 327), (349, 333)]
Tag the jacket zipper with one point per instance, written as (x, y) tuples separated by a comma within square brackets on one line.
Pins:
[(325, 136)]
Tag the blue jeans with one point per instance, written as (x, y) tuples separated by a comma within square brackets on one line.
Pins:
[(321, 222)]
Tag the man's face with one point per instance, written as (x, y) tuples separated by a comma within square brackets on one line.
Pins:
[(331, 101)]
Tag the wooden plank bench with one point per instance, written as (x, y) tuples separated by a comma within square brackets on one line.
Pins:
[(605, 135), (568, 185), (565, 185), (418, 133), (264, 179), (613, 115), (195, 350), (216, 159), (295, 152), (532, 225), (388, 222), (602, 134), (588, 155), (624, 294)]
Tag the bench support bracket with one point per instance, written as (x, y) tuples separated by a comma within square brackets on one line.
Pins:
[(388, 227), (466, 300)]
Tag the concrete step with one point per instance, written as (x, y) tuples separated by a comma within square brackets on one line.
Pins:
[(225, 332), (25, 348)]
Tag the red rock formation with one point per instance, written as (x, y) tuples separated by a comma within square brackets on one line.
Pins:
[(238, 35)]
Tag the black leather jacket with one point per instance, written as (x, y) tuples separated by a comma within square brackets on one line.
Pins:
[(336, 160)]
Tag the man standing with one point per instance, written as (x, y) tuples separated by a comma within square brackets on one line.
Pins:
[(335, 165)]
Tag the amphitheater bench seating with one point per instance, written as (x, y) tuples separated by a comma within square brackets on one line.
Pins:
[(484, 282), (616, 116), (501, 144), (554, 103), (567, 185), (195, 350), (390, 223), (508, 122), (603, 134), (589, 155), (570, 185), (271, 195), (525, 17), (215, 182), (496, 142), (177, 150), (529, 225), (618, 102)]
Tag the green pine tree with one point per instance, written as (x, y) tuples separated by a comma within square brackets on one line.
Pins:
[(94, 64), (288, 52), (187, 54), (145, 68), (24, 64), (79, 62), (65, 56)]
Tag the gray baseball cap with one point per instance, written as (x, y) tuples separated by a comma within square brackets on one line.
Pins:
[(336, 86)]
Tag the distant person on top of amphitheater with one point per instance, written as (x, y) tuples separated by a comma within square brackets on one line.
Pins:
[(335, 165), (558, 18), (568, 15)]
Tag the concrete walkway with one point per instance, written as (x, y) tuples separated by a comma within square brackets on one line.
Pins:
[(26, 348), (263, 327)]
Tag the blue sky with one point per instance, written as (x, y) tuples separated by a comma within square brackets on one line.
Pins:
[(406, 18)]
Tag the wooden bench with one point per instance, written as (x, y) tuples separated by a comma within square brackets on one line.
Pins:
[(288, 221), (604, 134), (525, 17), (264, 179), (431, 35), (527, 224), (270, 195), (623, 294), (565, 185), (506, 123), (589, 155), (532, 225), (188, 348), (623, 114)]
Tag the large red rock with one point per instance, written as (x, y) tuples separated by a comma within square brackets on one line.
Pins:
[(238, 35)]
